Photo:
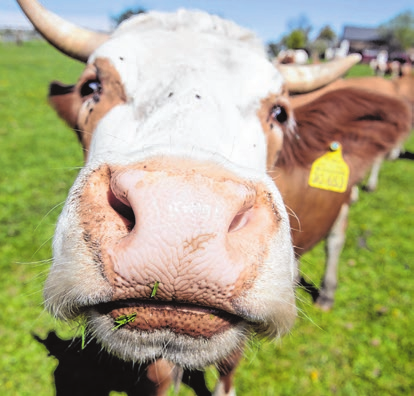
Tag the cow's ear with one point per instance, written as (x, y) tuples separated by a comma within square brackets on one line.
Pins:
[(66, 103)]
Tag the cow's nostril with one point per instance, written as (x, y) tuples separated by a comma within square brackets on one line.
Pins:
[(240, 220), (125, 212)]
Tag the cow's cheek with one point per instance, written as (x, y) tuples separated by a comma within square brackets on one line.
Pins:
[(86, 124), (274, 145)]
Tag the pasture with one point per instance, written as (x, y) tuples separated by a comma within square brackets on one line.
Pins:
[(364, 346)]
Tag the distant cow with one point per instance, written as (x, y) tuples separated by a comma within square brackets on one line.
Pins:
[(298, 57), (382, 66), (174, 243)]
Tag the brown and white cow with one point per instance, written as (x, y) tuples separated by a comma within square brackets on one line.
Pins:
[(392, 128), (367, 125), (400, 87), (174, 243), (299, 57)]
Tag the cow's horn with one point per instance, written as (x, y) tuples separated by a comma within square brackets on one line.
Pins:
[(72, 40), (306, 78)]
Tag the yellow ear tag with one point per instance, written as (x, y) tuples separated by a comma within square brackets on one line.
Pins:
[(330, 171)]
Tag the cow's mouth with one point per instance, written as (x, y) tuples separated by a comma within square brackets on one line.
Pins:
[(181, 319)]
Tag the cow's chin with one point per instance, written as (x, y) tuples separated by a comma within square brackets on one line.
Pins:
[(186, 335)]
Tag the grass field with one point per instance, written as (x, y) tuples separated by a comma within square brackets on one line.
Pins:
[(364, 346)]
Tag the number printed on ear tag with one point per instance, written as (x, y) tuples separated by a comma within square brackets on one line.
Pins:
[(330, 171)]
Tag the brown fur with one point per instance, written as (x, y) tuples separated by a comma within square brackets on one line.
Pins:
[(312, 211), (83, 113), (365, 124), (402, 87), (227, 370), (273, 138)]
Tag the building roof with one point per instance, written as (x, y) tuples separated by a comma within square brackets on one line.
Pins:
[(354, 33)]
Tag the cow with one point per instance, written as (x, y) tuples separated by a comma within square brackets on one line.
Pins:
[(174, 243), (401, 87), (394, 68), (382, 66), (298, 56), (365, 125)]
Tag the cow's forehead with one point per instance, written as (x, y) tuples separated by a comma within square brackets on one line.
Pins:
[(192, 88), (190, 48), (164, 59)]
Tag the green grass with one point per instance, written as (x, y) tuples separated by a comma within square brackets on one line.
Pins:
[(38, 161), (360, 70), (364, 346)]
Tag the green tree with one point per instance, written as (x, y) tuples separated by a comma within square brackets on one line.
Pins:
[(295, 39), (300, 23), (399, 31), (325, 39), (327, 34), (117, 19), (299, 29)]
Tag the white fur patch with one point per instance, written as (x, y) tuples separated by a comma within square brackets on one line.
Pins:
[(192, 81)]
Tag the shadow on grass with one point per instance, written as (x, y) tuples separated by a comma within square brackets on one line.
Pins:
[(309, 288), (407, 155), (92, 371)]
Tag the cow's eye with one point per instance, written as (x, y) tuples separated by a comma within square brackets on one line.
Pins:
[(279, 114), (91, 87)]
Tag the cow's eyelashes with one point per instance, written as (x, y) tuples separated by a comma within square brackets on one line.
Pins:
[(91, 87), (279, 114)]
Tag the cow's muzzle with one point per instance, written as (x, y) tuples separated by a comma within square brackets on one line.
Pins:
[(180, 249)]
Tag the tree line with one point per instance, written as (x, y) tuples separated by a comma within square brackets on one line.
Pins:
[(397, 33)]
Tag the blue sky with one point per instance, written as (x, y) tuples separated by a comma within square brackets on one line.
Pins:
[(269, 19)]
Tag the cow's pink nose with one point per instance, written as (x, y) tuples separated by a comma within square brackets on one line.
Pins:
[(196, 235), (191, 203)]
